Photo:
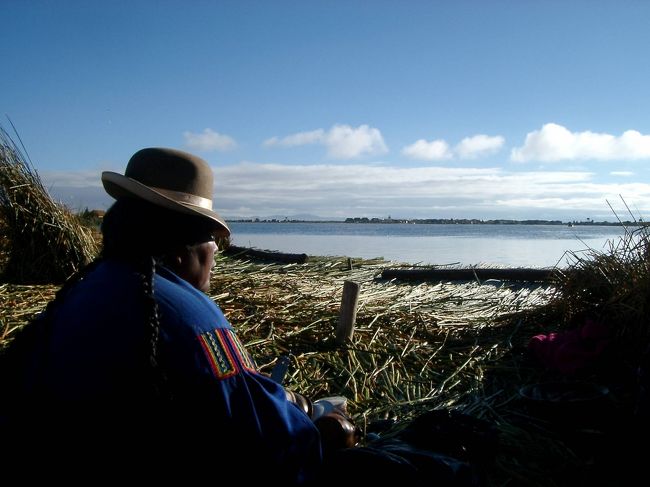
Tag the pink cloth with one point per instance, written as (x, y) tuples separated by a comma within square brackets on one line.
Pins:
[(570, 351)]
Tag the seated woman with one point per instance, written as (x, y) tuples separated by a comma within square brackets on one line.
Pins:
[(133, 352)]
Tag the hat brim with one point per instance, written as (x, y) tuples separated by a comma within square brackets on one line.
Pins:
[(119, 186)]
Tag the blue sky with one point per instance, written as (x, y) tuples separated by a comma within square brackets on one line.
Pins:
[(334, 109)]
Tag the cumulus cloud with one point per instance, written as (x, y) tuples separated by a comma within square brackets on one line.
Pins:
[(208, 141), (479, 145), (468, 148), (436, 150), (341, 141), (553, 143), (301, 138)]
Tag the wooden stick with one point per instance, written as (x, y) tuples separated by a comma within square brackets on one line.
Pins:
[(348, 314)]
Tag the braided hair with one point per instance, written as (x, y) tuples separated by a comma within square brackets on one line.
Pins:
[(147, 236)]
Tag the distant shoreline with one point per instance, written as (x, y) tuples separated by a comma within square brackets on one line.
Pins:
[(444, 221)]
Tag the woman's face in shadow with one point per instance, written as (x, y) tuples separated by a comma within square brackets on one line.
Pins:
[(194, 264)]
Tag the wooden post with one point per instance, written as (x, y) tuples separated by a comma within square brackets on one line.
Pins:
[(348, 314), (349, 264)]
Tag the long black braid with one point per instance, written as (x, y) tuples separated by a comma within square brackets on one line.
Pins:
[(148, 236), (158, 377)]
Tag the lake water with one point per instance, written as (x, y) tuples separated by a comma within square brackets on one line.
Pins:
[(501, 245)]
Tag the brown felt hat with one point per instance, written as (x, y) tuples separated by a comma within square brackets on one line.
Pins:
[(169, 178)]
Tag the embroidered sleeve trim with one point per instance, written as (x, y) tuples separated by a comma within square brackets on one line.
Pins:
[(220, 360), (245, 358), (226, 355)]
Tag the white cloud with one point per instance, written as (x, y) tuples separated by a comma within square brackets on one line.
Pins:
[(77, 189), (329, 190), (468, 148), (554, 143), (209, 141), (479, 145), (73, 179), (621, 173), (436, 150), (301, 138), (342, 141)]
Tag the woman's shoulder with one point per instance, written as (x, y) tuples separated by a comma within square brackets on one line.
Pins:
[(105, 283), (180, 300)]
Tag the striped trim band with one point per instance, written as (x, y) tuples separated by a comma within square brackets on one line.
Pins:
[(226, 355)]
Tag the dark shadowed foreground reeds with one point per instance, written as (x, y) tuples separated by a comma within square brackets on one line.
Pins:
[(46, 243)]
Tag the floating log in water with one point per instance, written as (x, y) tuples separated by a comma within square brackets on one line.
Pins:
[(470, 274), (267, 255)]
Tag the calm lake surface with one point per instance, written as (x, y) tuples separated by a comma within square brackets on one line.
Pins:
[(501, 245)]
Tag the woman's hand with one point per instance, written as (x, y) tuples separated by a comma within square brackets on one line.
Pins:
[(337, 431), (301, 401)]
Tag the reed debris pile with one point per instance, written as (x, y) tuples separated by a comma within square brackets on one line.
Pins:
[(416, 346)]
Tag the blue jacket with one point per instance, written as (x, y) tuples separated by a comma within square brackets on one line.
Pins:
[(91, 376)]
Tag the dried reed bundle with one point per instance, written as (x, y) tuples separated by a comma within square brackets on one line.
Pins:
[(46, 241)]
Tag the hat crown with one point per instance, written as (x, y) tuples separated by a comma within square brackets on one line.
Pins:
[(168, 178), (171, 170)]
